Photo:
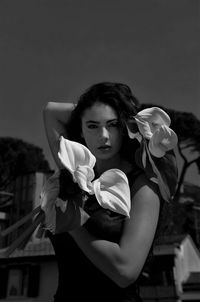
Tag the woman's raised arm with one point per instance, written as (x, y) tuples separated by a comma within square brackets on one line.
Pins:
[(55, 117)]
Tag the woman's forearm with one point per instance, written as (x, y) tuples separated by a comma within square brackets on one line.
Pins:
[(59, 111), (123, 262), (105, 255), (55, 116)]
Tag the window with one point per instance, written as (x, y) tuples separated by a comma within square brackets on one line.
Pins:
[(19, 280)]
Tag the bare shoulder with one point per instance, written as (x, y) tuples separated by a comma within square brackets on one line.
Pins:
[(145, 196), (144, 183)]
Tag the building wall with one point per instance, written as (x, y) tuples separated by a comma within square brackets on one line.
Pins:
[(187, 260)]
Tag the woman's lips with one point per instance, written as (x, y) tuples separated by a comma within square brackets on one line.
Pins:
[(104, 148)]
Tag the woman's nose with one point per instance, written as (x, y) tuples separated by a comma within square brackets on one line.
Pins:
[(104, 133)]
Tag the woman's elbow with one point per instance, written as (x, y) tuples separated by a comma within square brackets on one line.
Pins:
[(126, 277), (48, 106), (46, 110)]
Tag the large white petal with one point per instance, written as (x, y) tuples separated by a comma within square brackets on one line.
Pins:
[(112, 191), (144, 128), (83, 176), (163, 140), (73, 154), (154, 116)]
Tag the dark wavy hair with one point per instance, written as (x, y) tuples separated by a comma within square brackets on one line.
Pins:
[(118, 96)]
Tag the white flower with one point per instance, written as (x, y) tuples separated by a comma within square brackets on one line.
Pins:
[(112, 191), (49, 200), (79, 161), (163, 140), (153, 124), (150, 119), (48, 197)]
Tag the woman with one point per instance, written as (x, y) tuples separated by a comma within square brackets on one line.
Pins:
[(102, 257)]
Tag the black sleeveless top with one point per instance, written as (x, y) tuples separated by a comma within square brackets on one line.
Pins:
[(79, 279)]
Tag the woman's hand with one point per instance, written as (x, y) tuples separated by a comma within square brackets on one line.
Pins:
[(61, 215), (73, 217)]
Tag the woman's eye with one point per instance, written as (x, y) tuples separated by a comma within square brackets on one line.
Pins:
[(92, 126), (114, 124)]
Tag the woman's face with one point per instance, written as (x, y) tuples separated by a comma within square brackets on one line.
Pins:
[(101, 131)]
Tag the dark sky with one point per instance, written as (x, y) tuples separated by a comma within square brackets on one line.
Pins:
[(53, 50)]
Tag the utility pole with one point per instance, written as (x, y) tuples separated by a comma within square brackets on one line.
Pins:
[(197, 223)]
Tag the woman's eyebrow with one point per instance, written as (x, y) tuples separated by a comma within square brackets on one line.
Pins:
[(113, 120), (96, 122), (93, 122)]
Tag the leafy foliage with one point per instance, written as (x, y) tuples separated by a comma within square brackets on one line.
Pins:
[(17, 158), (187, 128), (179, 217)]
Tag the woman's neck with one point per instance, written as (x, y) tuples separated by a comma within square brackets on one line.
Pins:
[(114, 163)]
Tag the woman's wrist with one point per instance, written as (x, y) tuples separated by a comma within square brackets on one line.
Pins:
[(73, 218), (84, 216), (79, 228)]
